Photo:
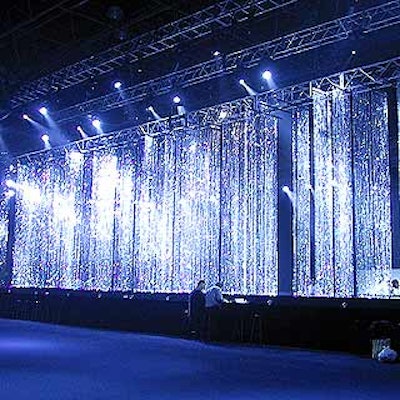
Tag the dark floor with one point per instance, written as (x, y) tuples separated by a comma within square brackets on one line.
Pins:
[(39, 361)]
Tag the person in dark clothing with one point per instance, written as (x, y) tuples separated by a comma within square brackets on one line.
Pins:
[(197, 309)]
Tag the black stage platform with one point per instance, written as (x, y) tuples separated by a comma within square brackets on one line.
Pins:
[(333, 324)]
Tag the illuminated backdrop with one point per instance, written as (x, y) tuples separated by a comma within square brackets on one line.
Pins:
[(157, 214), (341, 222), (3, 239)]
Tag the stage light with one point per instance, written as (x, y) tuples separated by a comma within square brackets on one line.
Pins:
[(176, 99), (118, 85), (45, 138), (353, 52), (266, 75), (153, 112), (25, 116), (43, 110), (216, 53), (96, 123), (286, 189), (248, 88), (81, 131)]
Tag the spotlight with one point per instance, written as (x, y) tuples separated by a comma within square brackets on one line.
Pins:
[(153, 112), (216, 53), (266, 75), (43, 110), (247, 87), (25, 116), (286, 189), (45, 138), (353, 52), (118, 85), (81, 131), (176, 99), (96, 123)]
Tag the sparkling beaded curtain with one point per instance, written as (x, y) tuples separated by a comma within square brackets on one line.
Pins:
[(303, 197), (249, 207), (372, 194), (341, 160), (156, 215), (3, 239), (48, 223)]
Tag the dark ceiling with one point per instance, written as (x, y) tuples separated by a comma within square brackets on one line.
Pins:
[(42, 36), (37, 37)]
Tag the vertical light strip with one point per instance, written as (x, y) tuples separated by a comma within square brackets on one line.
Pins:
[(323, 194), (28, 268), (372, 194), (101, 222), (249, 206), (125, 211), (302, 194), (4, 221), (155, 217), (196, 228), (342, 195)]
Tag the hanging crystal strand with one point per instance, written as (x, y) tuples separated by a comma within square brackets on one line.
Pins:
[(303, 192), (372, 194)]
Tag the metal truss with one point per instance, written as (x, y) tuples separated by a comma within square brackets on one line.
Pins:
[(197, 25), (369, 20), (378, 75)]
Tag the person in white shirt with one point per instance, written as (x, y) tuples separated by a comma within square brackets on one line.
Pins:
[(394, 289), (214, 300), (214, 297)]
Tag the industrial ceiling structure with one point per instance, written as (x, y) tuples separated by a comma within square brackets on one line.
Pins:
[(67, 55)]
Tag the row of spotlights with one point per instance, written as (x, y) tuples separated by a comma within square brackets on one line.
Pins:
[(95, 122), (266, 75)]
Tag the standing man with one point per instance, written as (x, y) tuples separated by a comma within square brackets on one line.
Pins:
[(197, 309)]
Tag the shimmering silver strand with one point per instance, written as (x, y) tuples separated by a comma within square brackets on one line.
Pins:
[(302, 192), (372, 194)]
